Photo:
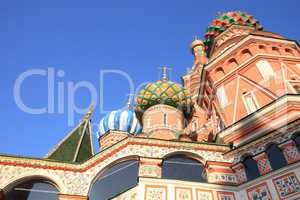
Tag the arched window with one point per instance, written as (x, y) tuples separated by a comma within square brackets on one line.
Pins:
[(165, 119), (297, 88), (181, 167), (276, 157), (251, 168), (115, 180), (297, 141), (232, 63), (262, 48), (245, 54), (219, 72), (36, 189), (250, 102), (276, 50), (289, 51)]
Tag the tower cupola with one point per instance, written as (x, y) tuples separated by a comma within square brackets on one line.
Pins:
[(162, 106)]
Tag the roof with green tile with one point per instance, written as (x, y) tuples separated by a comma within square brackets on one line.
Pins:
[(77, 146), (225, 20)]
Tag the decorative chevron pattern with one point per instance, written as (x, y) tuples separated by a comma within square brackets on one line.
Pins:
[(227, 19), (162, 92)]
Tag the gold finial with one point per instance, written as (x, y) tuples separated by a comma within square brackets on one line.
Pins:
[(219, 14), (129, 101), (165, 71), (89, 112)]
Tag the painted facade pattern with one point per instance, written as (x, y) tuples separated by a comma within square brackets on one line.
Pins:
[(225, 195), (222, 178), (129, 195), (183, 193), (204, 194), (259, 192), (263, 163), (150, 167), (156, 193), (290, 151), (240, 173), (287, 185)]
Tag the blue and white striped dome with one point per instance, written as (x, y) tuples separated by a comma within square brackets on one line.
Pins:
[(121, 120)]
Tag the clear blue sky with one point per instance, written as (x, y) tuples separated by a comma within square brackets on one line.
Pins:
[(83, 37)]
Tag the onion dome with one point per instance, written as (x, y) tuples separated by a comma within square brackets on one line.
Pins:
[(225, 20), (120, 120), (162, 92)]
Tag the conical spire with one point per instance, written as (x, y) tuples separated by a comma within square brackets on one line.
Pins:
[(77, 146)]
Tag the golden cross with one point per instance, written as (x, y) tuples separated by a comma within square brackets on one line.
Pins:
[(129, 101), (164, 71)]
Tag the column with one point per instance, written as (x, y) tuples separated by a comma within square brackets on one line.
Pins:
[(150, 167), (263, 163), (240, 173), (72, 197), (290, 151)]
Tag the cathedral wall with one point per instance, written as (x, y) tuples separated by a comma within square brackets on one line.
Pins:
[(253, 73), (77, 179), (282, 184)]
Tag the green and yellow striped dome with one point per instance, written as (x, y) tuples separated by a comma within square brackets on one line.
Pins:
[(162, 92)]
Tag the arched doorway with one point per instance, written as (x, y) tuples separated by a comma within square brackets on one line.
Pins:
[(34, 189), (182, 167), (115, 180)]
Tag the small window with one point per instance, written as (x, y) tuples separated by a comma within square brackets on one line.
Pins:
[(232, 63), (297, 88), (165, 119), (297, 141), (276, 157), (222, 96), (289, 51), (250, 102), (275, 49), (252, 171), (220, 72), (262, 47), (265, 69), (246, 54)]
